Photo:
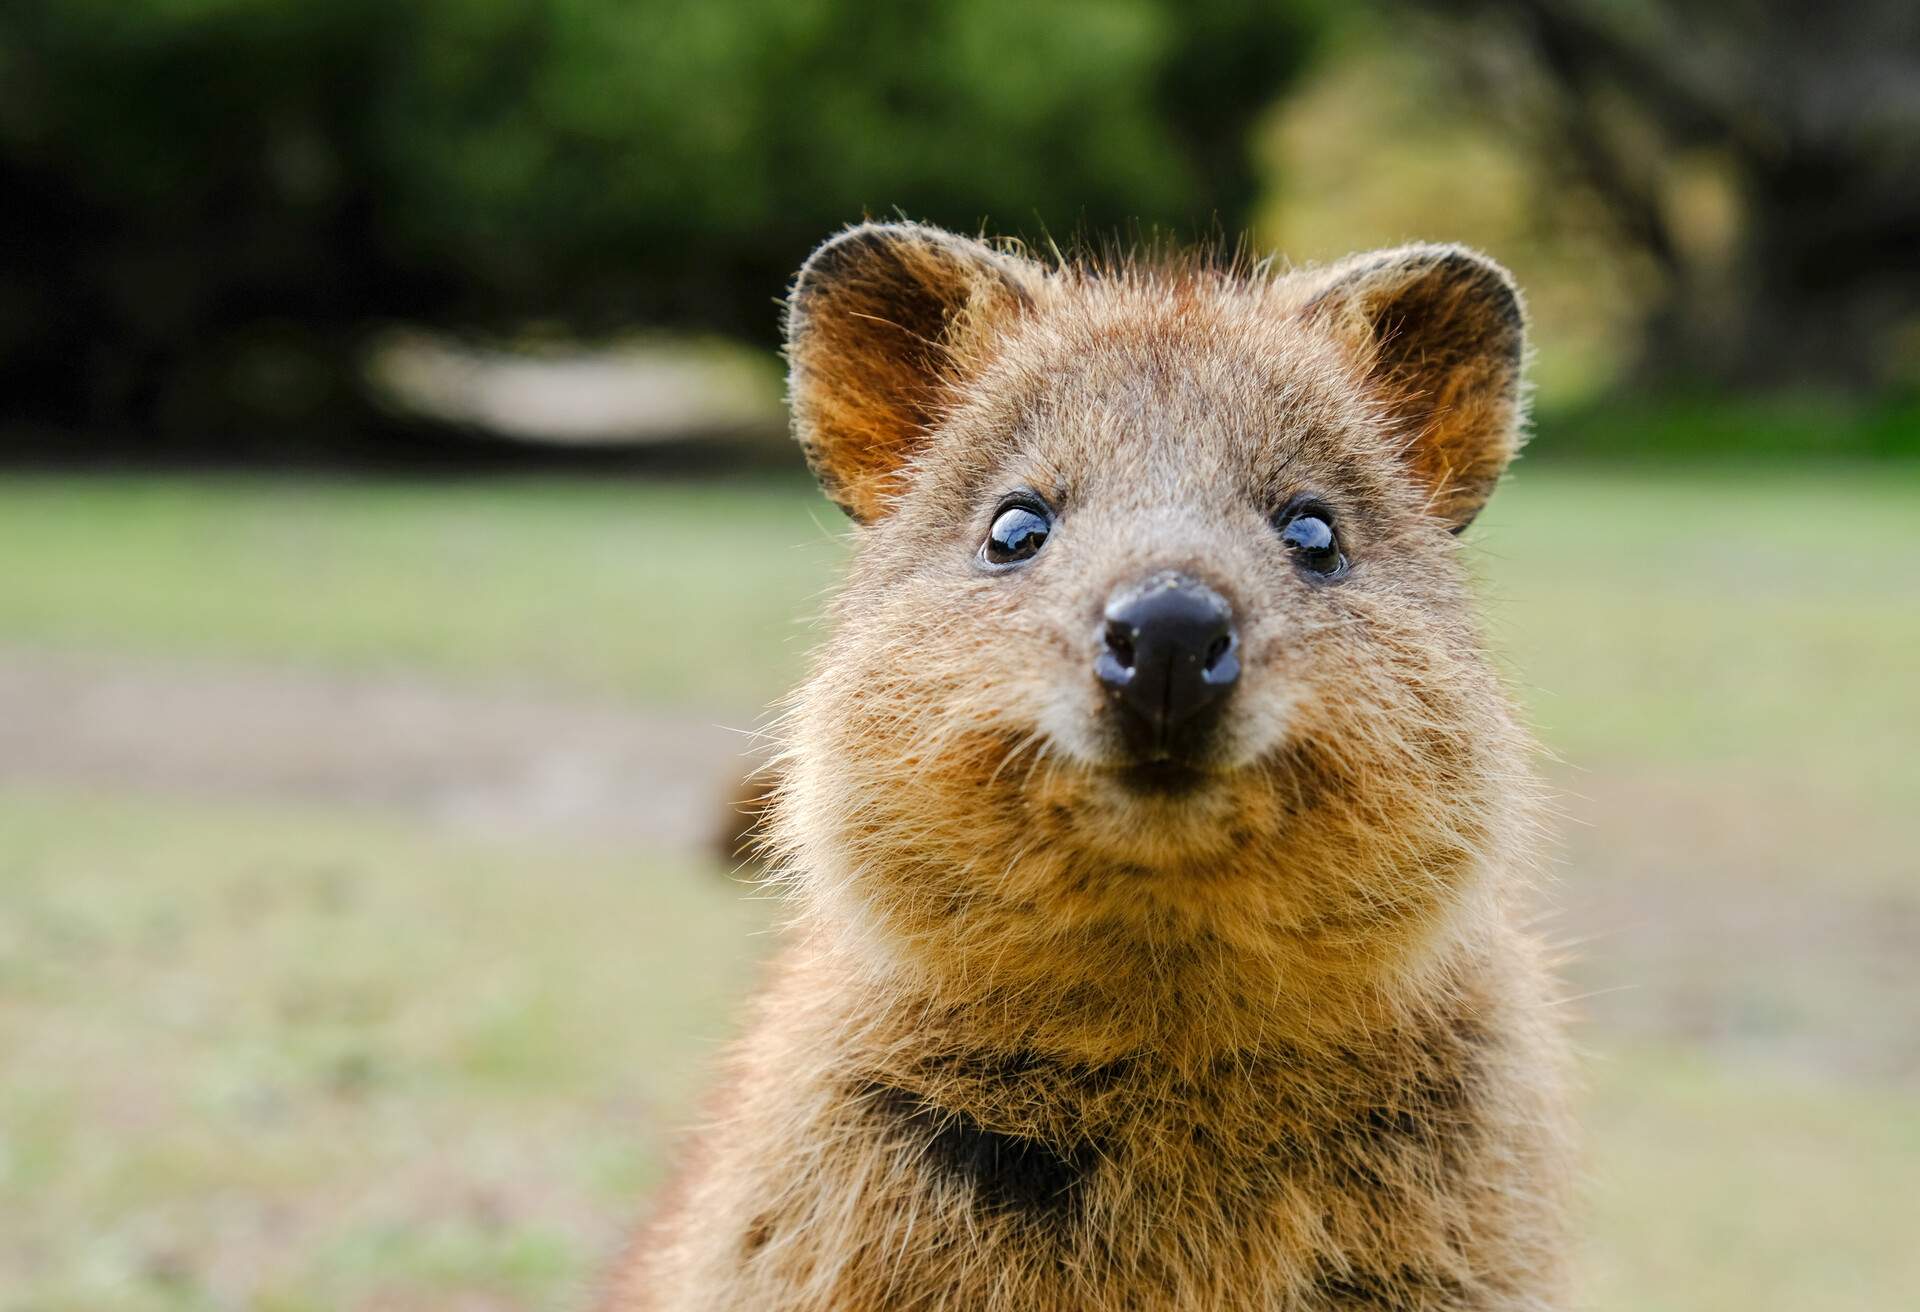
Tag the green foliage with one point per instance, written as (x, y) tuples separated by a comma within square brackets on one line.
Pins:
[(219, 190), (1744, 429)]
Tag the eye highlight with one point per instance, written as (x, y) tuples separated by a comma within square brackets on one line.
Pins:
[(1306, 526), (1020, 528)]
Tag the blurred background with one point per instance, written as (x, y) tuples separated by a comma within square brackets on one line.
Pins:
[(401, 541)]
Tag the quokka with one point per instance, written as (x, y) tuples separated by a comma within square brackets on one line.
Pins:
[(1153, 824)]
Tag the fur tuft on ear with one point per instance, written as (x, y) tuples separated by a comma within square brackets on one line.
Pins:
[(879, 323), (1442, 334)]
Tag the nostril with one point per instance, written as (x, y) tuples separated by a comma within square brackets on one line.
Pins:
[(1220, 669), (1120, 643)]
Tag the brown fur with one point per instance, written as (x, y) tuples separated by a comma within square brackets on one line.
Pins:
[(1039, 1042)]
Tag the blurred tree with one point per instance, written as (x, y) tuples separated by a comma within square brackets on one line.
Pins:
[(1762, 155), (212, 202)]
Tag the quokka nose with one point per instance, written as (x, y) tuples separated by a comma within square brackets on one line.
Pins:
[(1169, 655)]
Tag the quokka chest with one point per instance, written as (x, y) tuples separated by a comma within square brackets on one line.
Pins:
[(1276, 1142)]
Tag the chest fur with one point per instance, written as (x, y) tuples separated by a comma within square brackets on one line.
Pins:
[(1028, 1136), (1347, 1177)]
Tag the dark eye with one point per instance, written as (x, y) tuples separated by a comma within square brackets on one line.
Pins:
[(1307, 529), (1019, 531)]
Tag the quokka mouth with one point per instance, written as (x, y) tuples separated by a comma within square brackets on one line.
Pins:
[(1165, 778)]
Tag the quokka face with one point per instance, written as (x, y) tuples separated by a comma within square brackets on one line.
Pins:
[(1157, 625)]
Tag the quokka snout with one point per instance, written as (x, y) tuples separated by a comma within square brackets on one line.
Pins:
[(1152, 818)]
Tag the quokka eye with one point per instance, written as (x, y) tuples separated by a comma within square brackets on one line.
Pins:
[(1020, 529), (1307, 529)]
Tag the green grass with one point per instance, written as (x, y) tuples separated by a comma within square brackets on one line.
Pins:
[(295, 1058), (1715, 1191), (660, 592), (1744, 620), (322, 1060)]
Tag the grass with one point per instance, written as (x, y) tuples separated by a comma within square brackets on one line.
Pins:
[(1713, 617), (290, 1058), (1717, 1192), (300, 1059), (664, 592)]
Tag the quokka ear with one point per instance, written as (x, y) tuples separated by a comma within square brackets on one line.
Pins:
[(1442, 335), (882, 319)]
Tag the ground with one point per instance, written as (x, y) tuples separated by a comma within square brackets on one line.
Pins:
[(361, 941)]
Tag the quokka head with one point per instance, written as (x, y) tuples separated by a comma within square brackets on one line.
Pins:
[(1157, 624)]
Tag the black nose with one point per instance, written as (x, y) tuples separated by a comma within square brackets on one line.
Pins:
[(1169, 656)]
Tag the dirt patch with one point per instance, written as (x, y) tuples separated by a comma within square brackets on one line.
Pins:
[(1744, 912), (486, 760)]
